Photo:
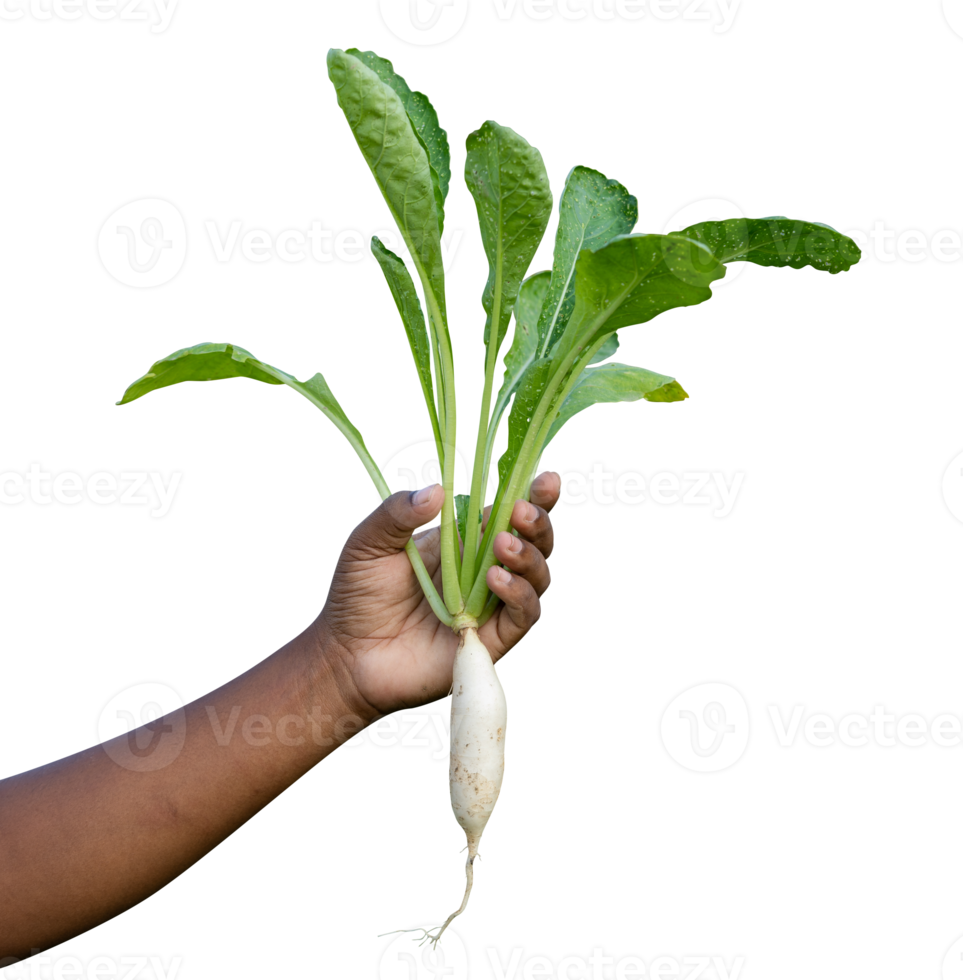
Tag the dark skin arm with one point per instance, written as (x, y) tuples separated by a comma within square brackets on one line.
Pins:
[(89, 836)]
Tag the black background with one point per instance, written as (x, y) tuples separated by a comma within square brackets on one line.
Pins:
[(831, 583)]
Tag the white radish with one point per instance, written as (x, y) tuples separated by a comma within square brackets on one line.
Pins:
[(478, 717)]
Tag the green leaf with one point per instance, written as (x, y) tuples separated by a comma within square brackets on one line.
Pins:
[(608, 348), (522, 350), (214, 362), (398, 159), (777, 242), (423, 118), (632, 280), (461, 513), (671, 394), (616, 383), (507, 179), (628, 281), (409, 306), (526, 401), (520, 356), (593, 210)]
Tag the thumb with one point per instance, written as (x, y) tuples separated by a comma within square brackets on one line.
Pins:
[(386, 531)]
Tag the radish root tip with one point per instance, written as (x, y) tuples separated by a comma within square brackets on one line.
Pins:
[(426, 935)]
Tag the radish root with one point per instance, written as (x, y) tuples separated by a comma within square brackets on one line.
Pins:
[(478, 718), (435, 934)]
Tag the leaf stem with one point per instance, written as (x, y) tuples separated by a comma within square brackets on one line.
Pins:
[(436, 602), (490, 606), (411, 549), (357, 444), (450, 552), (499, 521), (438, 416), (564, 377), (479, 472)]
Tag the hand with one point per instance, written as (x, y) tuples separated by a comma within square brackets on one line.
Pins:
[(378, 622)]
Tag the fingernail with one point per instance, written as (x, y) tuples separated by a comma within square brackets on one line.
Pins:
[(421, 497), (502, 577), (515, 545), (529, 512)]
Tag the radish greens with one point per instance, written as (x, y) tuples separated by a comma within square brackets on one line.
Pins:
[(604, 278)]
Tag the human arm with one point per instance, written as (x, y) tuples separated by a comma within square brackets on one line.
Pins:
[(89, 836)]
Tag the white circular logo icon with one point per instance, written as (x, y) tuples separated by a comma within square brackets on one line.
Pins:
[(144, 243), (405, 959), (706, 729), (416, 466), (710, 209), (953, 487), (143, 728), (953, 12), (953, 962), (424, 21)]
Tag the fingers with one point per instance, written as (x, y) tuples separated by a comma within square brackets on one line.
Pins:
[(521, 609), (519, 589), (545, 490), (386, 531), (524, 559), (526, 577), (533, 524)]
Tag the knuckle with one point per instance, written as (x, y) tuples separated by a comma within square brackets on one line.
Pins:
[(528, 599)]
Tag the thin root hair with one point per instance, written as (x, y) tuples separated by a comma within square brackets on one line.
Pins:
[(393, 932)]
